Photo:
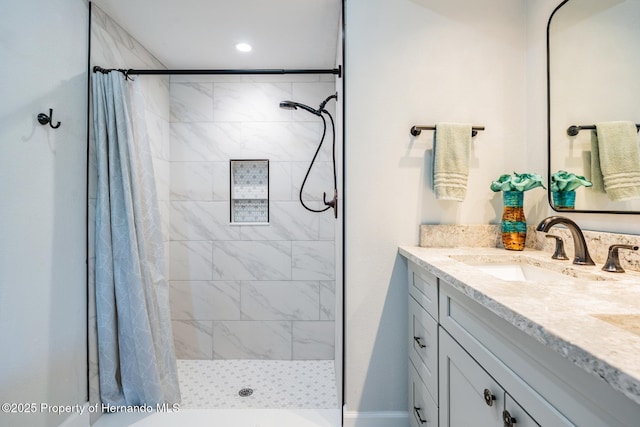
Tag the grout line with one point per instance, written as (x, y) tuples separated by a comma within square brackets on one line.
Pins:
[(291, 333), (212, 338)]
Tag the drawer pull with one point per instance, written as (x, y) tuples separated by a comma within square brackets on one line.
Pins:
[(417, 339), (417, 410), (509, 421), (488, 397)]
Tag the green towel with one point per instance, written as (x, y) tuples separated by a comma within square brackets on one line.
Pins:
[(596, 173), (451, 150), (615, 160)]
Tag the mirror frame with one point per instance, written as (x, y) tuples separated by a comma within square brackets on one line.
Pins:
[(549, 195)]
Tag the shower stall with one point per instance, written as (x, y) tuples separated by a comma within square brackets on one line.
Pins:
[(254, 278)]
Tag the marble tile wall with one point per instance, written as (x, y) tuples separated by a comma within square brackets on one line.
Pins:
[(113, 47), (250, 291)]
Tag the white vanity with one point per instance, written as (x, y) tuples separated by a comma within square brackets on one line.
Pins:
[(500, 338)]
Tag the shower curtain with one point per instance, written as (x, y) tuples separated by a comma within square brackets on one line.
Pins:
[(136, 357)]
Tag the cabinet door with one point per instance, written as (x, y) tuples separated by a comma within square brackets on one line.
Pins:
[(423, 346), (518, 415), (508, 365), (468, 395)]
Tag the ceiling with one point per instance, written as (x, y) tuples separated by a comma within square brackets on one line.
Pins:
[(203, 33)]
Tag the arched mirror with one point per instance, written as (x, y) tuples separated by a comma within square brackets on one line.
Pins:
[(593, 52)]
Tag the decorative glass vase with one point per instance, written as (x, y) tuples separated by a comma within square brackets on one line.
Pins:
[(564, 199), (514, 224)]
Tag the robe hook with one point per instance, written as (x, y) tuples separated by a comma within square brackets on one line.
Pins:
[(43, 119)]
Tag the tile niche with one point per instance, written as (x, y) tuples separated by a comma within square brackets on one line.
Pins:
[(249, 191)]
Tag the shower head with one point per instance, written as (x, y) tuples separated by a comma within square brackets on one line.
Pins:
[(288, 105), (291, 105)]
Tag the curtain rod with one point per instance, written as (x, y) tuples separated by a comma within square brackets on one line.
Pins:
[(335, 71)]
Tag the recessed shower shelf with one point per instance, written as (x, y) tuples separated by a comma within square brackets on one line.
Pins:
[(249, 180)]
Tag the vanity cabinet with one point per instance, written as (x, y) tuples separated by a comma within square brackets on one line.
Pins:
[(470, 367), (423, 347)]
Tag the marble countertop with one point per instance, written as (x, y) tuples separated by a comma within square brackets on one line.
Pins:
[(592, 318)]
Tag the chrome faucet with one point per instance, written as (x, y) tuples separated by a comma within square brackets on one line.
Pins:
[(581, 252)]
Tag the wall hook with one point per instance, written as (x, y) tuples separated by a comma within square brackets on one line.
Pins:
[(43, 119)]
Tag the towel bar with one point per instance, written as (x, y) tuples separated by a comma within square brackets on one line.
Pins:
[(416, 130), (573, 130)]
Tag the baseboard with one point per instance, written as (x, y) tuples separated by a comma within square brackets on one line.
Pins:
[(375, 419), (78, 419)]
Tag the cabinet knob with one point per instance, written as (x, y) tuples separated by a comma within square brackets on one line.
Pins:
[(417, 411), (509, 421), (417, 339), (488, 397)]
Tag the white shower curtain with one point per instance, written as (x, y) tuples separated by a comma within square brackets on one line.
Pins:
[(136, 357)]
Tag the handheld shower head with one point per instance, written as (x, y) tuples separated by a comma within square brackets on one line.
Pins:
[(291, 105), (288, 105)]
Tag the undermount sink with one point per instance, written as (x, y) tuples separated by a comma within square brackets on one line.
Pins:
[(520, 268), (519, 272)]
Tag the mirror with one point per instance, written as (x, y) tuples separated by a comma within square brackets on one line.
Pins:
[(593, 69)]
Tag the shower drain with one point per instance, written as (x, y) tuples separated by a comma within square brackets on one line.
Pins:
[(245, 392)]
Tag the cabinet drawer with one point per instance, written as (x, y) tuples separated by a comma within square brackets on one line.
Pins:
[(423, 286), (423, 346), (423, 411)]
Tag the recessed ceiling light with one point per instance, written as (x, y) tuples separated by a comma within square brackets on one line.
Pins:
[(244, 47)]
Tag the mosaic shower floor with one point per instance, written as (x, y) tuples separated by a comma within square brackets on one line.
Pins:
[(275, 384)]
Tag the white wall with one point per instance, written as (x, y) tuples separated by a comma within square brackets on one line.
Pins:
[(43, 51), (417, 62)]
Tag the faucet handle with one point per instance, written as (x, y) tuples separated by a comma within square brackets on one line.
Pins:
[(559, 252), (613, 261)]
